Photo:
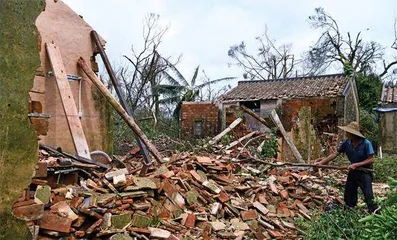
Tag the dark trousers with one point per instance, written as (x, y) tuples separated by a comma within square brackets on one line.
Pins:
[(363, 180)]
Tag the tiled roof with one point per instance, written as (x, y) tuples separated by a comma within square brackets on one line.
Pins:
[(301, 87), (389, 93)]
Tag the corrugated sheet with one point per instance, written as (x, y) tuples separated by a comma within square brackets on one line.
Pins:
[(389, 92), (318, 86)]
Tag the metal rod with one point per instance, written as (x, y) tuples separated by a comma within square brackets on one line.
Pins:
[(80, 86), (120, 94)]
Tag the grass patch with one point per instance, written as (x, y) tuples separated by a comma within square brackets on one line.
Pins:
[(337, 223), (341, 223)]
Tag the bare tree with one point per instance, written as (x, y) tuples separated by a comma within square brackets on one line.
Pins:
[(143, 72), (352, 52), (270, 62)]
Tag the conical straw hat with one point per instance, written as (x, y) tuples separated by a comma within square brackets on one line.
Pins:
[(352, 128)]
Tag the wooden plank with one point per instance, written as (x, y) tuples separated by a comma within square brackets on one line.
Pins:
[(69, 106), (218, 137), (280, 126), (120, 110)]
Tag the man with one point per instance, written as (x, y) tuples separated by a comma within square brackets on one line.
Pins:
[(360, 154)]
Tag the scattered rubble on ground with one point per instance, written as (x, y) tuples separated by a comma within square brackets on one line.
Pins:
[(212, 196)]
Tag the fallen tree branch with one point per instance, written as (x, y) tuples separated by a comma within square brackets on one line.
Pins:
[(246, 144), (240, 140)]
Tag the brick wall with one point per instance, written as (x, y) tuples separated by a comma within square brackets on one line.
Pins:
[(309, 121), (204, 114)]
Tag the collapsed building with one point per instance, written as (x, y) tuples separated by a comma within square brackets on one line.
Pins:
[(310, 109), (49, 100)]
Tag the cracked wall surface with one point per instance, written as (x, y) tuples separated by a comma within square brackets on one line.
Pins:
[(18, 141)]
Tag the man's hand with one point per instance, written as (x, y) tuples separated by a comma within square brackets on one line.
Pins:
[(319, 161), (353, 166)]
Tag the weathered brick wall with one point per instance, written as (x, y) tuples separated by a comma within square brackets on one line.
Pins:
[(307, 119), (194, 112)]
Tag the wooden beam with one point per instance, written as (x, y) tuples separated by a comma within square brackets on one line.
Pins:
[(218, 137), (256, 116), (119, 92), (116, 105), (280, 126), (69, 106)]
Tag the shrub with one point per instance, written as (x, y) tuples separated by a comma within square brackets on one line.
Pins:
[(269, 148), (369, 127), (385, 168)]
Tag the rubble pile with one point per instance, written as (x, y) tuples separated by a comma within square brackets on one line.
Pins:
[(204, 196)]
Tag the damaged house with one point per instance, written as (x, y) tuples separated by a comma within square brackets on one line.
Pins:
[(387, 113), (310, 109), (40, 105)]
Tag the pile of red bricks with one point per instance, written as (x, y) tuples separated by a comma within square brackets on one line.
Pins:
[(209, 196)]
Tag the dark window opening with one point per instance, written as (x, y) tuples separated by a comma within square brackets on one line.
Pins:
[(198, 128)]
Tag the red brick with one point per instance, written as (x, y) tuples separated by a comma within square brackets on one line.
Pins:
[(190, 220), (53, 222), (284, 194), (249, 215), (29, 212), (223, 197)]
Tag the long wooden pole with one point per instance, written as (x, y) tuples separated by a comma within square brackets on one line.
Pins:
[(119, 92), (310, 165), (256, 116), (224, 132), (280, 126), (116, 105)]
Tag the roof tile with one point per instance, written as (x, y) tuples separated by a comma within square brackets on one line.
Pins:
[(325, 85)]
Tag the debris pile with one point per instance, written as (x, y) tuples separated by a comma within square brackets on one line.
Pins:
[(208, 196)]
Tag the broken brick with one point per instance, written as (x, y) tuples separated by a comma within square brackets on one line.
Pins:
[(53, 222), (249, 215), (140, 221), (190, 220), (29, 212), (261, 208)]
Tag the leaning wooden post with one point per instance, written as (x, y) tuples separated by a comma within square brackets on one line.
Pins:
[(224, 132), (256, 116), (280, 126), (116, 105)]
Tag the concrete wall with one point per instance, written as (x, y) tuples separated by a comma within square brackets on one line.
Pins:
[(388, 132), (19, 58), (205, 114), (61, 25)]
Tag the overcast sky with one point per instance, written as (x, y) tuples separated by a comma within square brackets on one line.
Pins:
[(203, 30)]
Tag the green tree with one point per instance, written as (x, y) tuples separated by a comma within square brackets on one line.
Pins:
[(369, 89), (179, 89), (351, 52)]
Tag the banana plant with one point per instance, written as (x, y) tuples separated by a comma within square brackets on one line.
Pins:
[(179, 89)]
